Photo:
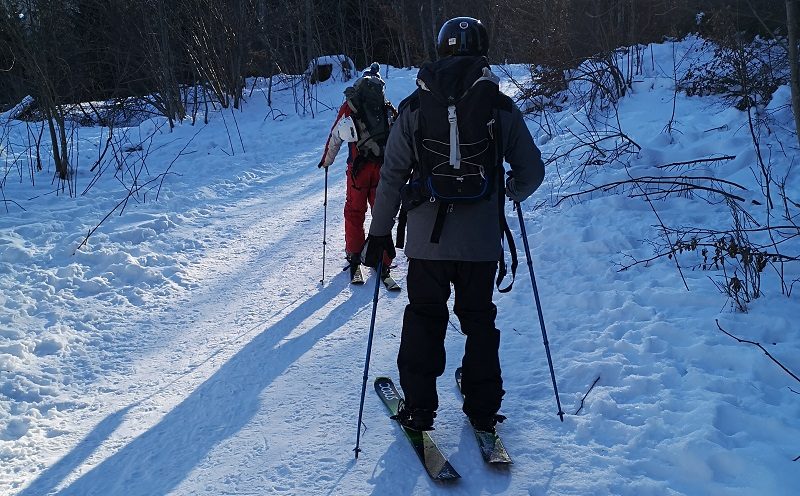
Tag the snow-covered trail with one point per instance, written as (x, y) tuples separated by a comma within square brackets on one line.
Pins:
[(233, 349)]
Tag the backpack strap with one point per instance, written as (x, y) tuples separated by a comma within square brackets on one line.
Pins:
[(441, 213), (512, 247), (402, 220), (502, 270), (408, 104), (411, 102)]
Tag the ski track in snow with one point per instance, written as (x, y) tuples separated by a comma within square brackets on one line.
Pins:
[(219, 365)]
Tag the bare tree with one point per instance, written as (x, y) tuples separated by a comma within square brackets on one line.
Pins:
[(42, 44), (792, 19), (217, 38)]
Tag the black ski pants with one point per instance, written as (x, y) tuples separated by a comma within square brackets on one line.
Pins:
[(422, 353)]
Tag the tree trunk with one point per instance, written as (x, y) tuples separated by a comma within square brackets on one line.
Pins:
[(434, 29), (405, 56), (59, 155), (342, 31), (309, 33), (424, 32), (791, 22)]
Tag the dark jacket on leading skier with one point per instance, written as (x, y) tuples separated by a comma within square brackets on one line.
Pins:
[(467, 252)]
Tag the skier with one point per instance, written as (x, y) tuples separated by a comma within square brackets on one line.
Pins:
[(363, 121), (459, 244)]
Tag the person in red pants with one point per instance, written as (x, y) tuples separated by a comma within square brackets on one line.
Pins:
[(363, 123)]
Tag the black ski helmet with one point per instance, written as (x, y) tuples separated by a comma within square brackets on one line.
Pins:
[(462, 36)]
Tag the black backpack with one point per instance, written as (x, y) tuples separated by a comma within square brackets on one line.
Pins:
[(458, 142), (367, 101), (458, 155)]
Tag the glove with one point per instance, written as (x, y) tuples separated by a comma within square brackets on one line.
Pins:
[(321, 164), (373, 249), (511, 189)]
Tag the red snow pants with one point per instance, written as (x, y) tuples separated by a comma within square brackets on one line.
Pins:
[(360, 193)]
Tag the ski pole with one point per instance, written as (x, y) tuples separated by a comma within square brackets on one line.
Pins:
[(369, 352), (538, 306), (324, 226)]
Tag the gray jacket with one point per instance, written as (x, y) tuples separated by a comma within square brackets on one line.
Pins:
[(471, 232)]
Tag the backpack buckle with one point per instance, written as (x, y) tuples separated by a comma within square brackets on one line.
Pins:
[(451, 114)]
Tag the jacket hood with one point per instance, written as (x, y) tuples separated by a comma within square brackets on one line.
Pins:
[(450, 77)]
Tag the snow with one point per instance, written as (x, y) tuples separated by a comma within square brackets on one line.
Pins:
[(188, 347)]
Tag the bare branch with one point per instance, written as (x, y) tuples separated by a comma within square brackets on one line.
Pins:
[(587, 394), (672, 185), (698, 161), (769, 355)]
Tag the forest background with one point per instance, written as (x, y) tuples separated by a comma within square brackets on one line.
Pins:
[(87, 50)]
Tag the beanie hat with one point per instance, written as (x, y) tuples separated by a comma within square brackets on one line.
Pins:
[(374, 70)]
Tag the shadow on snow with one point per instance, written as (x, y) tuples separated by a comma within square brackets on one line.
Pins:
[(158, 460)]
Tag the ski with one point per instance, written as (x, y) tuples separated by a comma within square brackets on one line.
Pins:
[(491, 446), (435, 463), (390, 283), (358, 276)]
